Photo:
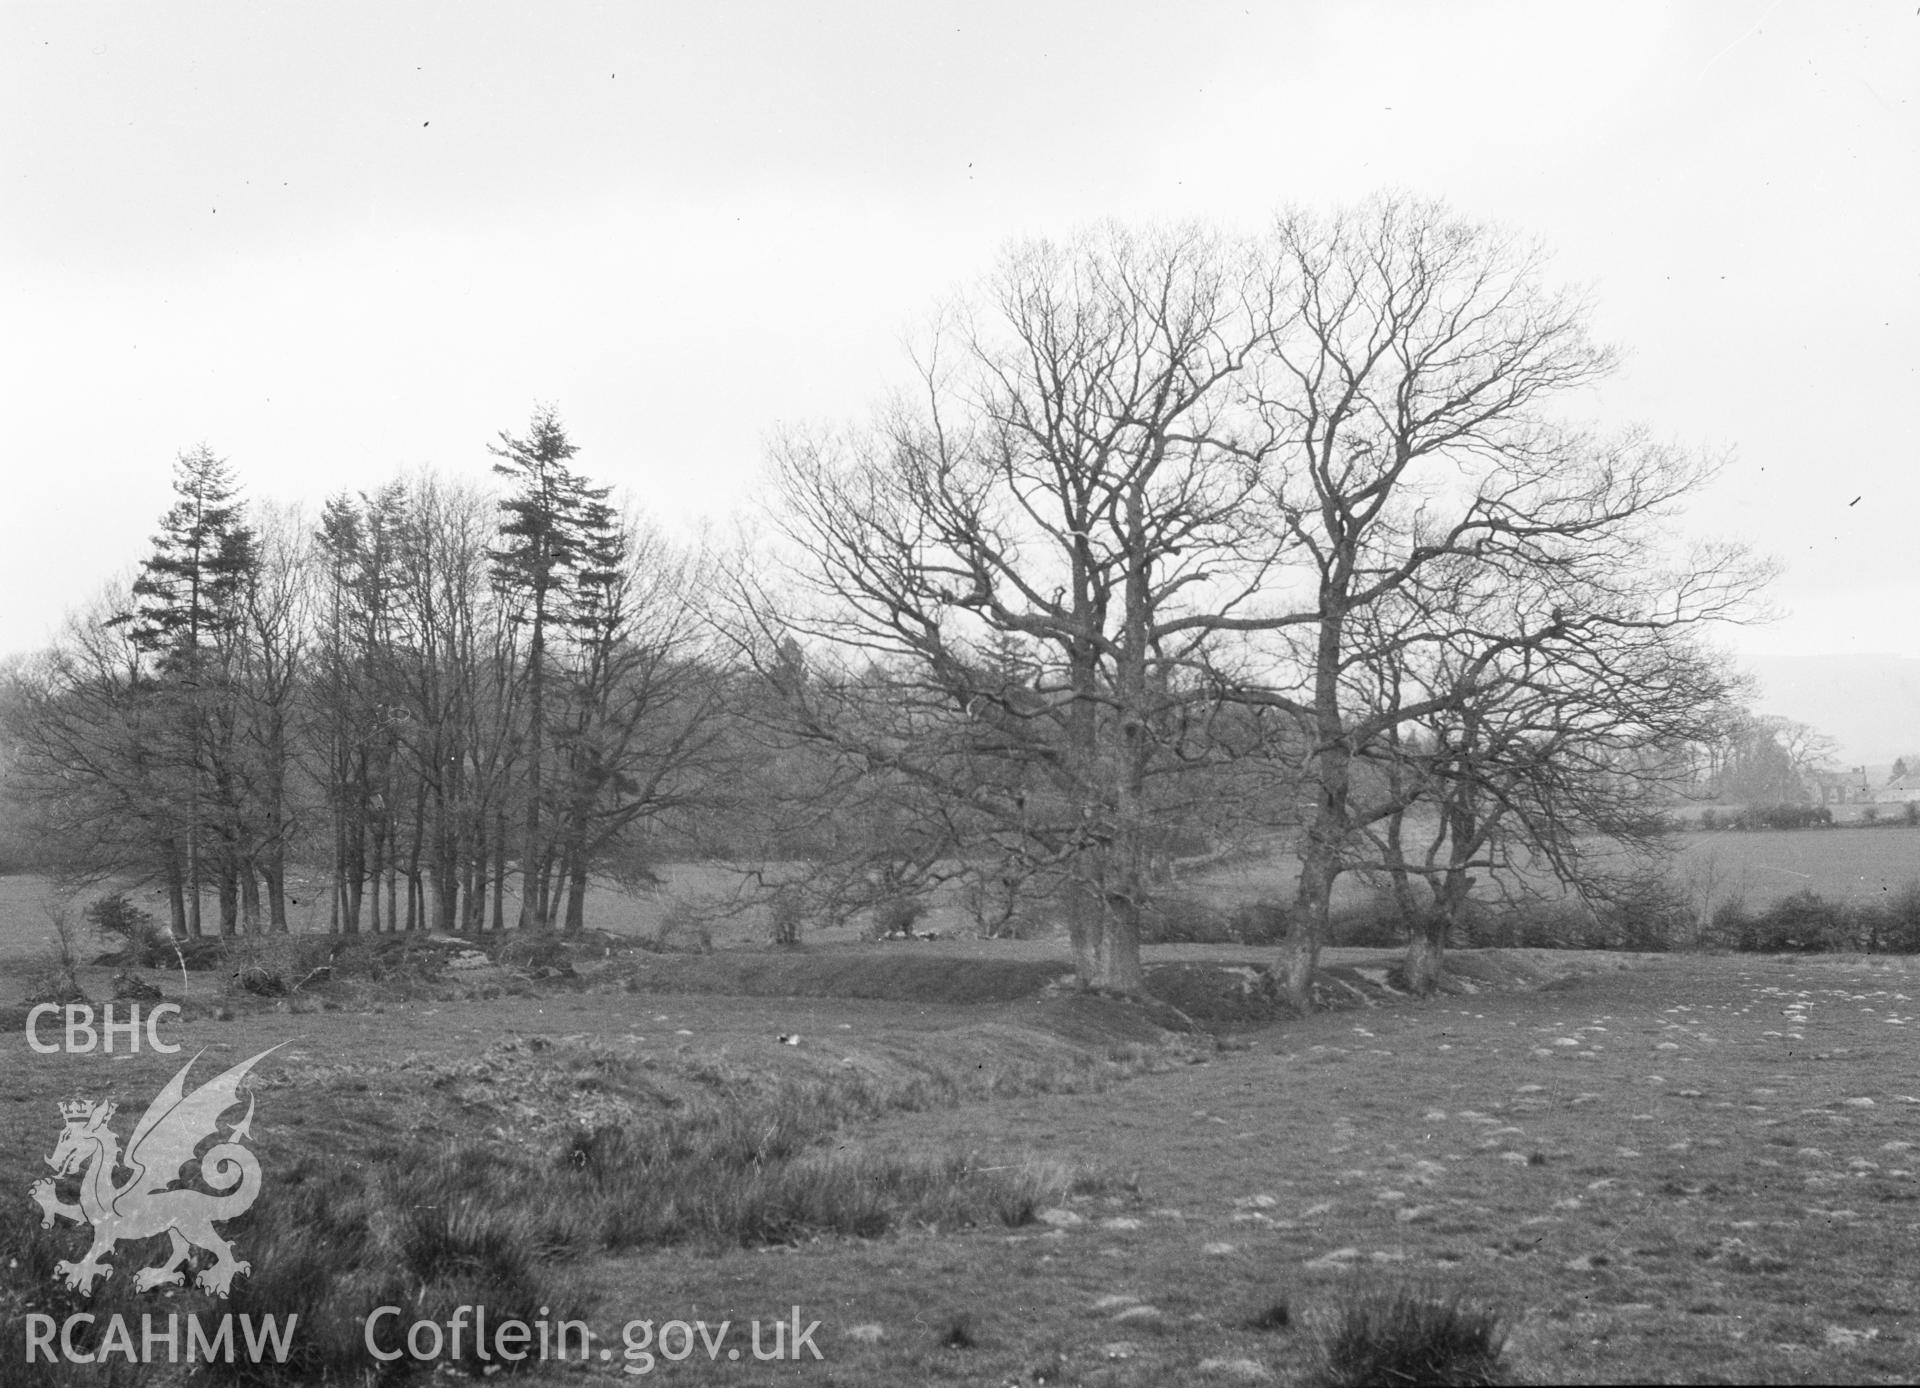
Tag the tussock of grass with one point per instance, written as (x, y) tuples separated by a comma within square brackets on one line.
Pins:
[(752, 1168), (27, 1287), (745, 1181), (1403, 1336), (331, 1244), (1277, 1315)]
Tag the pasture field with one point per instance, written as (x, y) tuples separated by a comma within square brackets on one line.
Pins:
[(1759, 866), (1690, 1169)]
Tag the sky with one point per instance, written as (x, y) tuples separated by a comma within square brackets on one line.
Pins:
[(337, 242)]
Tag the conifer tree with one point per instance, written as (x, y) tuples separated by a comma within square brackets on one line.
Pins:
[(548, 533), (186, 613)]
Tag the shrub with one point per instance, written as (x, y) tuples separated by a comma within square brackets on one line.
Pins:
[(56, 985), (1261, 922), (1784, 817), (1900, 932), (897, 916), (538, 954), (683, 928), (1029, 923), (130, 987), (1372, 924), (138, 938), (1411, 1338), (1725, 923), (1647, 916), (1184, 920), (260, 981), (1563, 924), (786, 915), (1804, 923), (1892, 926)]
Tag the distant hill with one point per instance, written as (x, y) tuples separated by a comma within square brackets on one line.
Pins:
[(1870, 704)]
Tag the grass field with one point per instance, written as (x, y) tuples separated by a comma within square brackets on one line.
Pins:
[(1858, 865), (1693, 1169)]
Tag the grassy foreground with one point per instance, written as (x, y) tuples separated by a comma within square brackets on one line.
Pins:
[(1696, 1170)]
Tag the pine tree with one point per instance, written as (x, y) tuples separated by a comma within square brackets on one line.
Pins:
[(548, 536), (187, 612), (188, 590)]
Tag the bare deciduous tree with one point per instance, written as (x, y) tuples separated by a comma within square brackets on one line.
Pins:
[(1412, 385), (1081, 479)]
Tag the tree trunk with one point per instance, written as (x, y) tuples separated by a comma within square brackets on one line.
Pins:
[(500, 871), (374, 871), (249, 898), (1313, 904), (1426, 954), (446, 869), (577, 899), (229, 896), (275, 871), (1122, 973), (1106, 956), (1327, 834), (473, 874), (195, 926), (176, 892), (532, 884)]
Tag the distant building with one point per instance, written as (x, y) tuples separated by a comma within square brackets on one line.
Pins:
[(1900, 790), (1850, 787)]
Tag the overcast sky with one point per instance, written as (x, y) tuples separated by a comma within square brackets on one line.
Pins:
[(336, 241)]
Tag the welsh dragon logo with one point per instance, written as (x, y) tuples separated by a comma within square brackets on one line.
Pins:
[(145, 1204)]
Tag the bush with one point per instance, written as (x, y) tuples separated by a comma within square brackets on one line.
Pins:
[(1537, 925), (1804, 923), (1648, 917), (538, 954), (1784, 817), (897, 916), (138, 938), (1184, 920), (787, 915), (1262, 922), (683, 929), (1373, 924), (1892, 926), (130, 987), (1645, 917), (1409, 1338), (260, 981)]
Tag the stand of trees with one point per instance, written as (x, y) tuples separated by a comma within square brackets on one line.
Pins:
[(425, 688), (1183, 539), (1315, 473)]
